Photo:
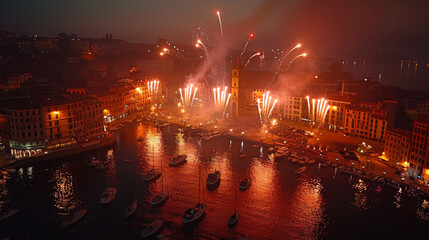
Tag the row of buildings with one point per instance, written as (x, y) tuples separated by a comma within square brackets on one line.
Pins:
[(410, 148), (32, 126), (364, 119)]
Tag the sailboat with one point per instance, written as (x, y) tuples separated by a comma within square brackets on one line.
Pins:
[(153, 227), (133, 206), (199, 210), (234, 218), (152, 174), (160, 198)]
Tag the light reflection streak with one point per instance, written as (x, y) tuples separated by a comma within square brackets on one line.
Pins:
[(307, 207), (65, 195), (360, 198), (422, 212)]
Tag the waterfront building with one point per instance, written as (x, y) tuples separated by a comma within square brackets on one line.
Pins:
[(366, 121), (288, 107), (419, 155), (397, 147), (335, 116), (22, 128)]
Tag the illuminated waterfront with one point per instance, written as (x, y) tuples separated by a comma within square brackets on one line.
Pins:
[(321, 203)]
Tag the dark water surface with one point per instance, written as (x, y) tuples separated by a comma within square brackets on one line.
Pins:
[(321, 203)]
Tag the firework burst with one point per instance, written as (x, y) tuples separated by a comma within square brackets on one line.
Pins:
[(317, 110), (265, 107), (221, 100), (187, 96), (152, 87)]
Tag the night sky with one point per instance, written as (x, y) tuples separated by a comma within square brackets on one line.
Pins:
[(324, 26)]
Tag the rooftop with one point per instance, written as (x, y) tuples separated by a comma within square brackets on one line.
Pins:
[(422, 119), (402, 132)]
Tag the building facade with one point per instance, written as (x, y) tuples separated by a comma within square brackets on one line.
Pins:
[(419, 155), (397, 147)]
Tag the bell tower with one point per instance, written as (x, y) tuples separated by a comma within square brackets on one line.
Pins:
[(234, 92)]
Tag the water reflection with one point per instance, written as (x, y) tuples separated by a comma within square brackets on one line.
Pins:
[(360, 195), (307, 207), (398, 197), (423, 211), (64, 192), (110, 169)]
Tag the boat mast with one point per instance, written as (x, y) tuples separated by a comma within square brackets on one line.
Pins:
[(199, 184), (235, 207), (162, 179)]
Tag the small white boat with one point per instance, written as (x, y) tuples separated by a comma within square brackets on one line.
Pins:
[(114, 129), (334, 165), (128, 121), (242, 155), (213, 178), (108, 195), (131, 209), (152, 228), (177, 160), (294, 160), (9, 214), (245, 183), (76, 216), (233, 219), (300, 170), (158, 199), (293, 154), (255, 145), (151, 175), (195, 213), (127, 160), (311, 161)]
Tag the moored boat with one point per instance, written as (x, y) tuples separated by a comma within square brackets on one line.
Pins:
[(151, 175), (152, 228), (158, 199), (8, 214), (194, 214), (177, 160), (108, 195), (131, 209), (76, 216), (245, 183), (213, 178), (233, 220)]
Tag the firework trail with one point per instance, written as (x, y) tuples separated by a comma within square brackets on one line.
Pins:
[(178, 55), (317, 110), (293, 60), (188, 96), (220, 23), (152, 87), (265, 108), (248, 60), (281, 62), (221, 100), (245, 46)]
